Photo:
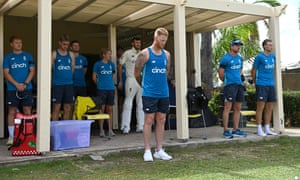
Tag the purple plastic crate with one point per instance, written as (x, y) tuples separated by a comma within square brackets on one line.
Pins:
[(70, 134)]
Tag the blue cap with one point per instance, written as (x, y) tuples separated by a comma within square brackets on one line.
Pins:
[(236, 42)]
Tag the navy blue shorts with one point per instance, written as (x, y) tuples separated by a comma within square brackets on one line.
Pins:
[(62, 94), (265, 93), (152, 105), (80, 91), (107, 96), (15, 98), (234, 93)]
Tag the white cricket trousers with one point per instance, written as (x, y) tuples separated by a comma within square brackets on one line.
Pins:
[(132, 89)]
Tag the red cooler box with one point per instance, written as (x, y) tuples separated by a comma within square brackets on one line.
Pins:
[(24, 135), (69, 134)]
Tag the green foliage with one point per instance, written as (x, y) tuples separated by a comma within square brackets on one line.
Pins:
[(291, 105), (215, 102), (247, 33), (272, 3)]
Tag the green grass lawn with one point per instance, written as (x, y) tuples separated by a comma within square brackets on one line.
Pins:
[(268, 159)]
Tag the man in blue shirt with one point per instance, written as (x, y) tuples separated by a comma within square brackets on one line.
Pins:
[(18, 69), (263, 77), (103, 76), (154, 61), (63, 64), (231, 66), (81, 65)]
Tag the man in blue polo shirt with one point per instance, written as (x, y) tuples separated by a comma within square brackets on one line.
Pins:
[(104, 73), (154, 63), (81, 65), (231, 66), (63, 65), (263, 77), (18, 69)]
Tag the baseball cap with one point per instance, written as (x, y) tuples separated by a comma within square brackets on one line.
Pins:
[(236, 42)]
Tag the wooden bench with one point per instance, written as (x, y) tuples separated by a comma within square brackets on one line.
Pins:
[(248, 113)]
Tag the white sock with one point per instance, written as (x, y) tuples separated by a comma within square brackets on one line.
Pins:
[(267, 128), (259, 128), (260, 131), (148, 150), (11, 131)]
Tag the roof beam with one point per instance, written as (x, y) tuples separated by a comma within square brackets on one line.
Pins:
[(235, 7), (210, 19), (167, 2), (161, 15), (278, 10), (147, 11), (111, 8), (76, 10), (186, 17), (236, 21), (8, 5)]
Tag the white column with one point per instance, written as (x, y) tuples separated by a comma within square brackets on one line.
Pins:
[(112, 44), (44, 75), (197, 61), (2, 112), (278, 115), (180, 71)]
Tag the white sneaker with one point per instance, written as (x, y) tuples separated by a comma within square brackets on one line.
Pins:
[(148, 156), (261, 133), (139, 131), (125, 130), (101, 134), (10, 141), (161, 154), (271, 133), (111, 133)]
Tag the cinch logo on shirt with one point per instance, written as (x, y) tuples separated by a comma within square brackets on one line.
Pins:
[(236, 67), (15, 65), (78, 67), (61, 68), (158, 70), (269, 66), (106, 72)]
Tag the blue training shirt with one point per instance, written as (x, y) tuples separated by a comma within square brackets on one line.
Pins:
[(104, 73), (155, 83), (232, 66), (79, 76), (19, 67), (264, 65), (62, 70)]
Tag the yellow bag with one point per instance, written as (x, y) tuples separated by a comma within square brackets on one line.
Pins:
[(82, 105)]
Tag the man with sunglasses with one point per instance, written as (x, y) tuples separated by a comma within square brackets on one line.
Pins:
[(230, 70), (18, 69)]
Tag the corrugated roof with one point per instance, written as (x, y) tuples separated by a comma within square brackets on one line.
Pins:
[(201, 15)]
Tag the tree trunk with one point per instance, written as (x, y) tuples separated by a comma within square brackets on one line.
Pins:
[(206, 63)]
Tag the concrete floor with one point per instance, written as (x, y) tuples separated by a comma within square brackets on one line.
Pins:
[(134, 142)]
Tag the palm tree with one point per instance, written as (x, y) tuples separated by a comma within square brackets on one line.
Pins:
[(248, 33), (206, 63)]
